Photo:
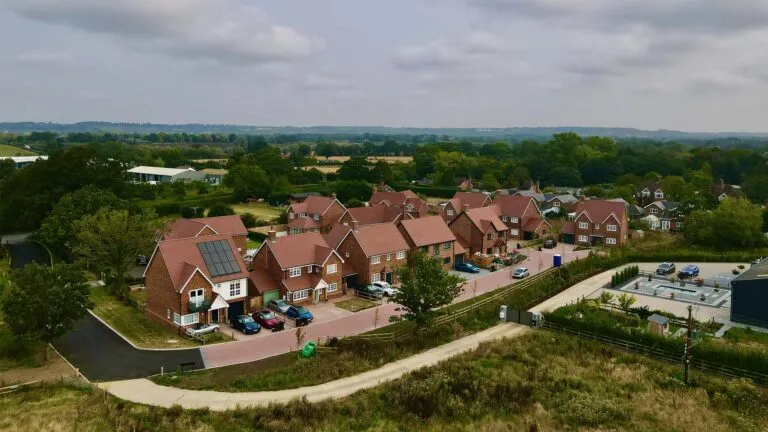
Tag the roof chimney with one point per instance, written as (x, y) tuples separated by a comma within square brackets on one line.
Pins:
[(272, 235), (333, 195), (353, 224)]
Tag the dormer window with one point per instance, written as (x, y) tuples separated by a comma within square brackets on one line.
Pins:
[(659, 194), (409, 207), (654, 210), (302, 215), (316, 217)]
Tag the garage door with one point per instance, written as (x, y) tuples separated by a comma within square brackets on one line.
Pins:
[(235, 309), (271, 295)]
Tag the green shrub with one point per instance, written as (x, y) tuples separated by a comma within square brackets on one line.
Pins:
[(220, 210), (249, 220)]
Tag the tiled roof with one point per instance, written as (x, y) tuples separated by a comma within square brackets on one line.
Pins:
[(225, 224), (532, 224), (182, 256), (313, 204), (183, 228), (302, 282), (599, 210), (390, 197), (300, 249), (374, 214), (727, 189), (262, 281), (428, 230), (472, 199), (379, 239), (336, 235), (512, 205), (486, 217), (303, 223)]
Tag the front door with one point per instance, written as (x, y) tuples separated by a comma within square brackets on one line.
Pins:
[(215, 316), (388, 277), (316, 294)]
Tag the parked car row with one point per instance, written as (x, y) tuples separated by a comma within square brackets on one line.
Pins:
[(689, 271)]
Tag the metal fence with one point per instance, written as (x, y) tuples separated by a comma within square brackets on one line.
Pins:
[(661, 354)]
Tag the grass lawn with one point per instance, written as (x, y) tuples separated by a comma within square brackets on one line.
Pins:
[(537, 382), (747, 338), (8, 150), (262, 211), (135, 325), (253, 244), (355, 304), (139, 295)]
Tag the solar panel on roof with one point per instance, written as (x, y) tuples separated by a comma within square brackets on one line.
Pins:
[(218, 258)]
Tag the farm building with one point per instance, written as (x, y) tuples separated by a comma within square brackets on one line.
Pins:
[(749, 296)]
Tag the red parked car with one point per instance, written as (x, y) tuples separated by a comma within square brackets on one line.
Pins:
[(268, 319)]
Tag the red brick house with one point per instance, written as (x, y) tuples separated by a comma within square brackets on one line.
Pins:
[(371, 215), (724, 190), (301, 268), (370, 252), (522, 216), (480, 231), (219, 225), (432, 236), (196, 280), (598, 222), (406, 202), (314, 214), (462, 200)]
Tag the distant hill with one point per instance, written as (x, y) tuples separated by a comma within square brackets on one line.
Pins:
[(515, 132)]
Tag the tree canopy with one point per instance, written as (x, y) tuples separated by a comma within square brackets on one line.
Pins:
[(424, 287), (733, 224)]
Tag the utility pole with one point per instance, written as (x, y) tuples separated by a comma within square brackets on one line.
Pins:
[(687, 357)]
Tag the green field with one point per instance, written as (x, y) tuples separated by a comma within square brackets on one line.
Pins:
[(7, 150), (262, 211), (538, 382)]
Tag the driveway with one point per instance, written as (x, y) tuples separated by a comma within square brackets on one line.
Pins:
[(102, 355), (471, 276)]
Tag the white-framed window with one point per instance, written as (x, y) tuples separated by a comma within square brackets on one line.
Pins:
[(665, 225), (447, 245), (409, 208), (291, 215), (190, 319), (611, 228), (610, 240), (489, 236), (332, 287), (583, 239), (295, 231), (294, 272), (583, 225), (168, 313), (302, 215), (659, 195), (196, 297), (654, 210), (504, 218), (316, 217), (514, 219), (646, 193), (514, 231), (375, 277), (309, 269), (679, 224), (375, 259), (597, 226), (400, 254), (389, 257), (346, 254), (331, 268), (449, 212), (555, 203), (300, 295), (176, 318), (234, 289)]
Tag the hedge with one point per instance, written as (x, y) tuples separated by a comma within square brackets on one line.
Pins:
[(175, 206), (624, 275)]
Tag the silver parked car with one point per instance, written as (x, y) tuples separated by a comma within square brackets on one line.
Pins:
[(385, 288), (279, 305), (520, 273), (202, 329)]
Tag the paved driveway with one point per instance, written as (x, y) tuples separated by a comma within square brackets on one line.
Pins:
[(102, 355)]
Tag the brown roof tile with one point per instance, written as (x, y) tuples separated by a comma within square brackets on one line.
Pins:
[(303, 223), (300, 249), (380, 239), (182, 256), (225, 224), (486, 217), (512, 205), (374, 214), (314, 205), (428, 230), (599, 210), (472, 199), (262, 281)]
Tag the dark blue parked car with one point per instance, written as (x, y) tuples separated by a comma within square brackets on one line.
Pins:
[(300, 314), (245, 324), (689, 271), (467, 268)]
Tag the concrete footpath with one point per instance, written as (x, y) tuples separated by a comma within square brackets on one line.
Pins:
[(146, 392)]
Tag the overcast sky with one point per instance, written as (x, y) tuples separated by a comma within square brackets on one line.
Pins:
[(697, 65)]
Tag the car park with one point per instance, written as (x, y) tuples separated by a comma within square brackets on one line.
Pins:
[(278, 305), (385, 288), (520, 273), (202, 329), (245, 324), (665, 268), (689, 271), (550, 244), (300, 314), (371, 291), (267, 319), (467, 268)]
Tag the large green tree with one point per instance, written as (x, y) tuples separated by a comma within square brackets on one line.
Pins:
[(356, 168), (248, 181), (675, 188), (44, 302), (58, 231), (424, 287), (110, 240), (733, 224)]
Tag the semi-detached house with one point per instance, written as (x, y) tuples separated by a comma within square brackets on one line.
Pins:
[(598, 222), (462, 201), (301, 268), (480, 231), (370, 252), (432, 236), (196, 280), (314, 214), (522, 216)]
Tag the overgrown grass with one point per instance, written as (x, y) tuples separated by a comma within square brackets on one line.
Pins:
[(254, 244), (355, 304), (262, 211), (748, 338), (538, 382), (9, 150)]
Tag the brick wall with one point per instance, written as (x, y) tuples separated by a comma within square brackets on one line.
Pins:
[(444, 213), (353, 255), (331, 216), (334, 277), (442, 252), (160, 292), (463, 227)]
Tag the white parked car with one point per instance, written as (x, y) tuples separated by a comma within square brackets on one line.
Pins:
[(520, 273), (385, 288), (202, 329)]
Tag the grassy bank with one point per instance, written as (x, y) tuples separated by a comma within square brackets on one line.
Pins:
[(538, 382), (136, 326), (8, 150)]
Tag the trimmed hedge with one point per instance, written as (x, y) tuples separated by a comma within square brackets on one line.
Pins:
[(624, 275)]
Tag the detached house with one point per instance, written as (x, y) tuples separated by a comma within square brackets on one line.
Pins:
[(196, 280), (663, 215), (371, 215), (522, 216), (724, 190), (407, 202), (650, 192), (219, 225), (371, 252), (314, 214), (432, 236), (597, 222), (301, 268), (463, 201), (480, 231), (559, 203)]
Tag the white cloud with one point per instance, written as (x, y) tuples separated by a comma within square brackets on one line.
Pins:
[(220, 30), (44, 58)]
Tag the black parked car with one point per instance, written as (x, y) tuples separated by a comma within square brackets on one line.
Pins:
[(550, 244)]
